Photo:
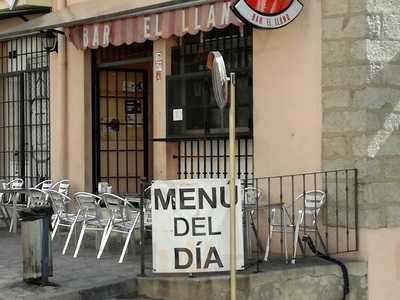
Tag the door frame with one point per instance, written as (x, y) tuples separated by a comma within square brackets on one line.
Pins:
[(96, 127)]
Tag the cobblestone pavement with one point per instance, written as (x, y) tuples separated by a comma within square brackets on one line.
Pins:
[(82, 273)]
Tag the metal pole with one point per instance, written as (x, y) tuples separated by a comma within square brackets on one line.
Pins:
[(232, 190), (45, 250), (142, 231)]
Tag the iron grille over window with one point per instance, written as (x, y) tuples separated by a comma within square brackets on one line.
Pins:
[(24, 110), (120, 115), (191, 108)]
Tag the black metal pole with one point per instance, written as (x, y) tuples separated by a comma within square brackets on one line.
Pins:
[(258, 229), (21, 151), (356, 207), (45, 250), (142, 248)]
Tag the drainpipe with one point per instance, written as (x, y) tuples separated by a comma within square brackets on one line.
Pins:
[(61, 164)]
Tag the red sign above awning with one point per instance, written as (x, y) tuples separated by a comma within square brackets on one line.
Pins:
[(152, 27)]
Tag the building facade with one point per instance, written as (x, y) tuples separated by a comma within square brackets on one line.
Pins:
[(129, 96)]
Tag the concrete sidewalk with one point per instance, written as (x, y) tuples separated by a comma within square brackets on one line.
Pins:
[(87, 278), (82, 278)]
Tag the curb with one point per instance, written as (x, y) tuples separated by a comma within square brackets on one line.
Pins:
[(124, 288)]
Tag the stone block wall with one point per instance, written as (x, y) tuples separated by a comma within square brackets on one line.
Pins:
[(361, 101), (305, 282)]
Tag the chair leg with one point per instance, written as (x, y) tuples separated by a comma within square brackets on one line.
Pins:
[(128, 239), (296, 235), (121, 259), (7, 213), (75, 236), (256, 235), (73, 227), (53, 223), (285, 239), (78, 246), (104, 232), (269, 240), (321, 240), (104, 241), (12, 223), (55, 227), (266, 257), (4, 214)]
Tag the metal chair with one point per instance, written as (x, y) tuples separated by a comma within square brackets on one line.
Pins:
[(313, 201), (61, 186), (275, 226), (64, 217), (311, 205), (124, 219), (251, 197), (35, 195), (89, 206), (12, 201)]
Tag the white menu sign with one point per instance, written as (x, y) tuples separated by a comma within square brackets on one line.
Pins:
[(191, 226)]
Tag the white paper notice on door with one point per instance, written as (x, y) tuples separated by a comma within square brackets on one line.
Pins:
[(177, 115)]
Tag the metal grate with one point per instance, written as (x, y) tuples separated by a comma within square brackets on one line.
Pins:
[(209, 158), (189, 87), (333, 226), (202, 133), (234, 43), (24, 110), (120, 129), (271, 202)]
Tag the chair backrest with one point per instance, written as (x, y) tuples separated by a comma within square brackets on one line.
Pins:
[(14, 184), (59, 202), (313, 201), (17, 183), (131, 213), (44, 185), (115, 206), (37, 197), (88, 204), (121, 210), (147, 197), (251, 194), (61, 186)]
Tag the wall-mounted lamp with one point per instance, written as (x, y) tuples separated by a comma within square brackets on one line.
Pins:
[(49, 40)]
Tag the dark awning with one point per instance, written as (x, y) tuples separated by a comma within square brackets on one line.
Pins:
[(153, 26), (92, 12)]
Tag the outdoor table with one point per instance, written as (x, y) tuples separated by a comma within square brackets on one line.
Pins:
[(132, 198), (14, 194), (249, 210)]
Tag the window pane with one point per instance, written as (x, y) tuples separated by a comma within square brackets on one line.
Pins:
[(190, 90)]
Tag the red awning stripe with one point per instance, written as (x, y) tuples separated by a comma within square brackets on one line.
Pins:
[(152, 27)]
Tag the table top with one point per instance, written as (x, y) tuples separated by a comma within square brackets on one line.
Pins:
[(18, 190), (265, 205)]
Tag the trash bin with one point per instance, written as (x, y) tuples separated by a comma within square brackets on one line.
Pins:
[(36, 245)]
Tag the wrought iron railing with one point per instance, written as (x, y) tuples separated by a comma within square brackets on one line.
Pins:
[(209, 158), (280, 211), (25, 109)]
